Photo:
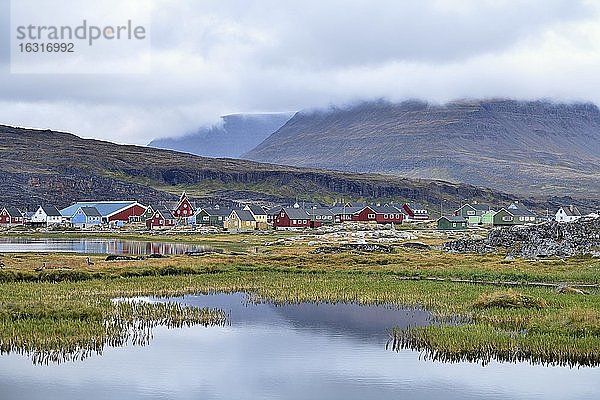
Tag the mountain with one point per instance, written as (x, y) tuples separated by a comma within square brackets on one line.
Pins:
[(236, 135), (526, 147), (43, 166)]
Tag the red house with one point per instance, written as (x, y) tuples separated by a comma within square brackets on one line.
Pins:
[(11, 216), (415, 212), (388, 215), (184, 208), (366, 214), (294, 218), (161, 219), (130, 213)]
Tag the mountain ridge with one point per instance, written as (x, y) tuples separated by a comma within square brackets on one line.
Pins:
[(527, 147), (237, 134), (43, 166)]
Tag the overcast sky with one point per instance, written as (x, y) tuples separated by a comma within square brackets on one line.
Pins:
[(210, 58)]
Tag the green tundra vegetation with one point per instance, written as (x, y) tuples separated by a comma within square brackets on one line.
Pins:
[(485, 307)]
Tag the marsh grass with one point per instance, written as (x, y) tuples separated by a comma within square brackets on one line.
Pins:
[(67, 311)]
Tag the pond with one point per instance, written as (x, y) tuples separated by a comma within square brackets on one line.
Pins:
[(294, 351), (91, 246)]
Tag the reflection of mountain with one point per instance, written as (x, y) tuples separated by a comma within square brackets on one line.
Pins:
[(353, 320)]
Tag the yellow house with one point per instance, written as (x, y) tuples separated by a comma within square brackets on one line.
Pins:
[(240, 220), (260, 216)]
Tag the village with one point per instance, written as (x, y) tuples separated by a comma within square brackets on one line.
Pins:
[(184, 213)]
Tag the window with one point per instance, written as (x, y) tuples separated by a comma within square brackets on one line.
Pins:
[(304, 221), (206, 218), (521, 219), (371, 216), (470, 212), (318, 217), (507, 218), (385, 216), (282, 214), (454, 224)]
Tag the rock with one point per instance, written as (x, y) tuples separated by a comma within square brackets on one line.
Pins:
[(360, 247), (416, 245), (569, 290), (550, 239)]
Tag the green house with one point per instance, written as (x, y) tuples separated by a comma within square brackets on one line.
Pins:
[(452, 223), (149, 213), (515, 214), (212, 216), (476, 214)]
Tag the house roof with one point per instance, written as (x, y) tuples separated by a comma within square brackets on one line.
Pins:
[(385, 209), (416, 206), (90, 212), (274, 210), (166, 214), (51, 211), (105, 208), (345, 210), (453, 218), (571, 211), (218, 212), (319, 211), (296, 213), (244, 215), (256, 210), (520, 210), (13, 212)]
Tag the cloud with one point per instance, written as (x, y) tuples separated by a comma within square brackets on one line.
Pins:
[(216, 57)]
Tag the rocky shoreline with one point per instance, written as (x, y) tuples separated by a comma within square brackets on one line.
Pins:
[(551, 239)]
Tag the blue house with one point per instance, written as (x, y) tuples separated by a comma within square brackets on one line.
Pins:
[(86, 217)]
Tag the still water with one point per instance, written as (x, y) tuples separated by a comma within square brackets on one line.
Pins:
[(304, 351), (91, 246)]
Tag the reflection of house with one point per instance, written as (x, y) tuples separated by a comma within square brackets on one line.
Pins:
[(212, 216), (294, 218), (11, 216), (115, 213), (476, 214), (451, 223), (567, 214), (240, 220), (415, 212), (162, 219), (86, 217), (515, 214), (47, 215)]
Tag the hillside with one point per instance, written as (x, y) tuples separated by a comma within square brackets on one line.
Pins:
[(236, 135), (54, 167), (532, 148)]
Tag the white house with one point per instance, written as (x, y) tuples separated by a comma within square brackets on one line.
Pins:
[(567, 214), (47, 215)]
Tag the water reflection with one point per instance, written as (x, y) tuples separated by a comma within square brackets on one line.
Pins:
[(92, 246), (304, 351)]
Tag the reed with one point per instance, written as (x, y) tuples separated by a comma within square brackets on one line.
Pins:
[(67, 312)]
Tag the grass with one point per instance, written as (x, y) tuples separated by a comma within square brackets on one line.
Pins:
[(63, 310)]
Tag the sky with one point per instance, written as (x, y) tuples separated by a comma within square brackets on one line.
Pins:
[(211, 58)]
